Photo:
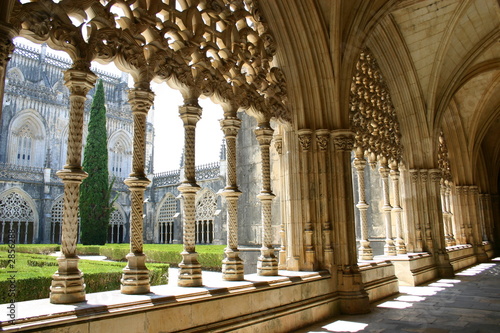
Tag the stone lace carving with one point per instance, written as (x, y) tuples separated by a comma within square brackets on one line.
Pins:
[(223, 48), (372, 114)]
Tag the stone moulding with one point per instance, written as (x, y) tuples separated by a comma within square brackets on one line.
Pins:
[(165, 309)]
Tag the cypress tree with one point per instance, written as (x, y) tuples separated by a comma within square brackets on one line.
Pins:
[(95, 190)]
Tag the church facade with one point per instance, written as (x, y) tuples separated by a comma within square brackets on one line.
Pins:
[(375, 151)]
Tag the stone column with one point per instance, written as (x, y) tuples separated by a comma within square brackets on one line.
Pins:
[(460, 215), (322, 141), (135, 278), (353, 297), (365, 251), (267, 263), (278, 145), (389, 248), (190, 268), (232, 265), (475, 224), (67, 283), (305, 145), (434, 210), (6, 47), (396, 209), (447, 213)]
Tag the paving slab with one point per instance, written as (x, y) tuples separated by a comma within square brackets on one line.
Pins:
[(467, 303)]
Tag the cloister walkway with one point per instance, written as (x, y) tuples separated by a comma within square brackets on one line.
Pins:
[(470, 302)]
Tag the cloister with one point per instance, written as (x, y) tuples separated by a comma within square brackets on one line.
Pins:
[(384, 119)]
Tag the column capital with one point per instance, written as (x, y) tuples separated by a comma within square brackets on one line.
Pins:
[(264, 134), (278, 144), (343, 140), (435, 175), (79, 81), (190, 114), (230, 126), (359, 163), (140, 100), (322, 138), (304, 136)]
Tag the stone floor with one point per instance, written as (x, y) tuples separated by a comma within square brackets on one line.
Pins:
[(470, 302)]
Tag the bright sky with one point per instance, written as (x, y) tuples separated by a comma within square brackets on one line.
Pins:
[(169, 130)]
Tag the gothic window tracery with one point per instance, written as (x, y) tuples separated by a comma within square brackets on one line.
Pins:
[(116, 229), (205, 212), (165, 219), (27, 140), (120, 155), (56, 214), (17, 219)]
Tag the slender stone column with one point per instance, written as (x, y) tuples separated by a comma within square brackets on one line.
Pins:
[(190, 268), (365, 251), (278, 145), (475, 224), (483, 215), (434, 211), (389, 248), (305, 145), (353, 297), (447, 213), (460, 215), (267, 263), (135, 278), (322, 140), (232, 265), (413, 202), (67, 283), (396, 209)]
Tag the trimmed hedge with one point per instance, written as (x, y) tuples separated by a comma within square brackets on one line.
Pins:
[(32, 248), (209, 256), (34, 276)]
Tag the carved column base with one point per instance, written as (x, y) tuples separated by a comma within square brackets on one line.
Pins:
[(189, 270), (232, 266), (389, 248), (365, 252), (135, 277), (282, 259), (400, 246), (480, 253), (353, 297), (445, 269), (267, 264), (67, 283)]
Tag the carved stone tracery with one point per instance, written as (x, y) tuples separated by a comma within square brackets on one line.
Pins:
[(223, 48)]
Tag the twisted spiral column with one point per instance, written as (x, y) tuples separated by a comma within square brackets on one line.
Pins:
[(267, 263), (396, 209), (365, 251), (190, 268), (232, 265), (135, 277), (389, 248), (67, 283)]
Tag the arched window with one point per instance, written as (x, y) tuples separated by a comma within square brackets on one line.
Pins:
[(17, 218), (27, 140), (165, 219), (116, 229), (56, 221), (205, 210), (120, 154)]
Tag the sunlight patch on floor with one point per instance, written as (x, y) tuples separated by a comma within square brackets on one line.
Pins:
[(420, 291), (410, 298), (344, 326), (395, 305), (475, 270)]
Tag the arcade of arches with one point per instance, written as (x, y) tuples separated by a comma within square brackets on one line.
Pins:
[(383, 115)]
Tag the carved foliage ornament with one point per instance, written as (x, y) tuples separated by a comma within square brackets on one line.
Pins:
[(372, 114), (443, 158), (219, 47)]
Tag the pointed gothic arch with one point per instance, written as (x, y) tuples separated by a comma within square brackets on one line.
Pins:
[(120, 153), (117, 231), (56, 219), (206, 205), (15, 74), (165, 214), (27, 139), (18, 217)]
